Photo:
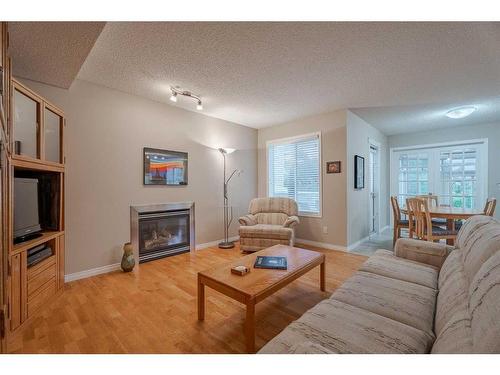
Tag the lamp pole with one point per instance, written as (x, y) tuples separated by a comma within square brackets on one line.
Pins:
[(228, 216)]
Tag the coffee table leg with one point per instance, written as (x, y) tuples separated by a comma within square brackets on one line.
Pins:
[(201, 300), (322, 276), (250, 327)]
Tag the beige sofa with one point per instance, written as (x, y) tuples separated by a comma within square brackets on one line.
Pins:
[(424, 298), (270, 221)]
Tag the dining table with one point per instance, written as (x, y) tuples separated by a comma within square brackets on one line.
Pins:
[(451, 214)]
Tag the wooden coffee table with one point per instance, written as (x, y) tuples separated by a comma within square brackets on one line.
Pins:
[(259, 283)]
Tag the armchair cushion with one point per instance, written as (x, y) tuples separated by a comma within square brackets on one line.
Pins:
[(248, 220), (425, 252), (291, 222), (267, 231)]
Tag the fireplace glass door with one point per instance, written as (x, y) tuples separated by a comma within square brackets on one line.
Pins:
[(163, 234)]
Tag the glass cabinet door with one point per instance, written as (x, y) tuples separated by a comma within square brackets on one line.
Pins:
[(52, 124), (26, 120)]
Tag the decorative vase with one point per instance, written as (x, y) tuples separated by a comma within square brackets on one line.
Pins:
[(128, 261)]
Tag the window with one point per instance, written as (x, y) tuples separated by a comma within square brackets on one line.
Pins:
[(294, 166), (457, 174), (413, 178)]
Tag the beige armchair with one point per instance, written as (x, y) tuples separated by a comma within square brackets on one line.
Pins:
[(270, 221)]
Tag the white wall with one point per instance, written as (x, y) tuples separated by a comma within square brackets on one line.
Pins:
[(462, 133), (106, 131), (333, 147), (359, 132)]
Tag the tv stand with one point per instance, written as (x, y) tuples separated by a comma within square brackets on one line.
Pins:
[(27, 237)]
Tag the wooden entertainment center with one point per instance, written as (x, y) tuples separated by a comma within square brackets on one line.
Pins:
[(31, 148)]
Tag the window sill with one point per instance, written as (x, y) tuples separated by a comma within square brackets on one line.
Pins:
[(305, 214)]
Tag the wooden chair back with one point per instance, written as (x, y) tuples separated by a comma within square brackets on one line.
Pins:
[(489, 208), (431, 199), (420, 213), (395, 210)]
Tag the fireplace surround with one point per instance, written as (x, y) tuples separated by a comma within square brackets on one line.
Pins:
[(161, 230)]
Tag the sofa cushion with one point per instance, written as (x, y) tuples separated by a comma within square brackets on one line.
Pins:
[(308, 347), (455, 336), (453, 291), (405, 302), (451, 265), (385, 263), (484, 307), (266, 231), (479, 239), (342, 328)]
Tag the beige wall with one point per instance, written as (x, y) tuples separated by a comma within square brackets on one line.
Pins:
[(333, 147), (462, 133), (359, 133), (106, 132)]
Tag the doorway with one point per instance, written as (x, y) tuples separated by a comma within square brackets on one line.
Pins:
[(374, 187)]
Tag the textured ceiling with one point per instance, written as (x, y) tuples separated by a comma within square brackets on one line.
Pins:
[(261, 74), (51, 52), (406, 119)]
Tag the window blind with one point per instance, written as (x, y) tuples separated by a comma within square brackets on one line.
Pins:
[(294, 172)]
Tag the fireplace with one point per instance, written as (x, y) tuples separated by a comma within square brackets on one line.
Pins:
[(162, 230)]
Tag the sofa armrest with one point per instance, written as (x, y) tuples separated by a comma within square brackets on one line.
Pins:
[(291, 222), (430, 253), (248, 220)]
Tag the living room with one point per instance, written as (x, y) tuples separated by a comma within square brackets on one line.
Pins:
[(169, 188)]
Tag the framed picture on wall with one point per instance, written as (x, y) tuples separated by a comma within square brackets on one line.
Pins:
[(359, 172), (164, 167), (333, 167)]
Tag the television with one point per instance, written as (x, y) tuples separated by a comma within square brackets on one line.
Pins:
[(26, 215)]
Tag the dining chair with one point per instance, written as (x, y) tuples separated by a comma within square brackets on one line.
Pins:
[(433, 201), (424, 227), (398, 222), (489, 208)]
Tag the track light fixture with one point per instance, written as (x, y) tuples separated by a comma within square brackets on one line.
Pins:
[(177, 91)]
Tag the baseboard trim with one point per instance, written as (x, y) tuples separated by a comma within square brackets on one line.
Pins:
[(116, 266), (323, 245), (357, 243), (215, 243), (331, 246), (92, 272)]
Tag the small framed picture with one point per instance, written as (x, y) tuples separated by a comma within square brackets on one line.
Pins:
[(359, 172), (333, 166)]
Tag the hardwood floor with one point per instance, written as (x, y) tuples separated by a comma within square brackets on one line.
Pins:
[(155, 311)]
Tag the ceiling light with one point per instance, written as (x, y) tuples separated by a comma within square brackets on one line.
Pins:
[(177, 91), (461, 112), (226, 150)]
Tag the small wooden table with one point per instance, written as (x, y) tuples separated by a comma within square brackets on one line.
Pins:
[(259, 283), (450, 214)]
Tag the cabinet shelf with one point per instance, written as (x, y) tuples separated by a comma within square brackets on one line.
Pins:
[(46, 236), (25, 162)]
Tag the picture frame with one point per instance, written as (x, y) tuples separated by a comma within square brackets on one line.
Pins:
[(165, 167), (359, 172), (333, 167)]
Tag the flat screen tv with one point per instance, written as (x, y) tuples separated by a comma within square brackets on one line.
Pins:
[(26, 216)]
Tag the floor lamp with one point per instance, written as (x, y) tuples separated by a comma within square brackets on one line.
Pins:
[(228, 211)]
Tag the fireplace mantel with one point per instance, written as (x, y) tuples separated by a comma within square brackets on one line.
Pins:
[(137, 211)]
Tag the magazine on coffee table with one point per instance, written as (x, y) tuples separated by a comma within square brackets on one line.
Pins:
[(275, 263)]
